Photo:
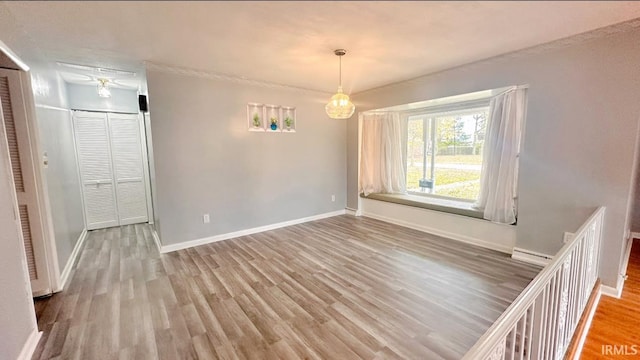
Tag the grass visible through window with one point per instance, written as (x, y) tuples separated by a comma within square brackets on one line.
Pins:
[(456, 176)]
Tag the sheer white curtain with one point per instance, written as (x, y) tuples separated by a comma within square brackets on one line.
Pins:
[(499, 177), (381, 156)]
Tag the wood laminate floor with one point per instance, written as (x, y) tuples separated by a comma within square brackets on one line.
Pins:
[(338, 288), (617, 321)]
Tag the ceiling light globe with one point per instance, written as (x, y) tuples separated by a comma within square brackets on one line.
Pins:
[(104, 92), (340, 107)]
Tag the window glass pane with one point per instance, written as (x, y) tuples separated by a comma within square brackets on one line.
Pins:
[(457, 156)]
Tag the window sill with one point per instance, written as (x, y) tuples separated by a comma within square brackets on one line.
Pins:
[(431, 203)]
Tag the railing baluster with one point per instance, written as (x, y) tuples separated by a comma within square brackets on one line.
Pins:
[(583, 287), (523, 340), (552, 317), (572, 309), (556, 313), (530, 324), (541, 321), (580, 255), (574, 294), (542, 329), (513, 342)]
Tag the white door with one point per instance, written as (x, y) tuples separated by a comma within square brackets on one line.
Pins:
[(96, 171), (15, 139), (110, 157), (128, 164)]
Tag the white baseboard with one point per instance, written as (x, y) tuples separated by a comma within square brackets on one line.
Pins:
[(585, 332), (614, 292), (188, 244), (156, 239), (30, 346), (625, 259), (353, 212), (441, 233), (531, 257), (622, 276), (64, 276)]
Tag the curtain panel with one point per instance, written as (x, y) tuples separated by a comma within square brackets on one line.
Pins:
[(499, 177), (381, 157)]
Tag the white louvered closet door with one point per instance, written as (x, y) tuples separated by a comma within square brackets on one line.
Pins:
[(96, 171), (14, 135), (126, 149)]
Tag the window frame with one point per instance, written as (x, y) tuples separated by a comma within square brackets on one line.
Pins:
[(430, 115)]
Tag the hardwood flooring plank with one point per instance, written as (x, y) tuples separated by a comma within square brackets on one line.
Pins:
[(617, 321), (203, 347), (55, 340), (350, 340), (193, 320), (226, 352), (342, 287), (166, 346), (282, 350), (262, 318)]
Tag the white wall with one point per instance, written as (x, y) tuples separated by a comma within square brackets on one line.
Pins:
[(152, 169), (85, 97), (207, 161), (17, 314), (56, 139), (634, 212), (635, 226), (580, 135), (65, 198)]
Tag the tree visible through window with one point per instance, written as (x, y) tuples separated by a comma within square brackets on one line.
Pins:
[(444, 153)]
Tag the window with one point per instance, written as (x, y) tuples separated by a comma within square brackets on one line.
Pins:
[(444, 151)]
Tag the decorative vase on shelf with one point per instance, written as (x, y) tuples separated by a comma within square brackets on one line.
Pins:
[(274, 127), (274, 124)]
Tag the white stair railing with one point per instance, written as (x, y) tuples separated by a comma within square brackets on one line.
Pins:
[(540, 323)]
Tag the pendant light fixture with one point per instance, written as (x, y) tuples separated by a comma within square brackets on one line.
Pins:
[(340, 107), (103, 90)]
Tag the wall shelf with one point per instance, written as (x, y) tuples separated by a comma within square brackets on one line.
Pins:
[(261, 116), (288, 119), (255, 117), (272, 117)]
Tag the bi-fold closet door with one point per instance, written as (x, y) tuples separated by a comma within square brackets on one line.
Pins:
[(110, 159)]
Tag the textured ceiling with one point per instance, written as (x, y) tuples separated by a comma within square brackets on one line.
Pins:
[(292, 43)]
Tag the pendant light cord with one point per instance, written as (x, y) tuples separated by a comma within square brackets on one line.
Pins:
[(340, 79)]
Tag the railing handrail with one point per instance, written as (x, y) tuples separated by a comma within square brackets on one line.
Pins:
[(511, 315)]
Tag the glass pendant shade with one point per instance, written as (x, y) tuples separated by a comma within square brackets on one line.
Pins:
[(340, 107)]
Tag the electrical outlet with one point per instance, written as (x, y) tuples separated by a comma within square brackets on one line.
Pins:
[(205, 218), (333, 198)]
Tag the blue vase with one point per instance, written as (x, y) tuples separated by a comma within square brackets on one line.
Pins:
[(274, 126)]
